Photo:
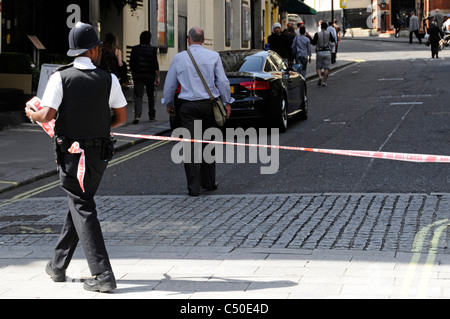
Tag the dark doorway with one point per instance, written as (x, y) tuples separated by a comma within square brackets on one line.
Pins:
[(403, 9)]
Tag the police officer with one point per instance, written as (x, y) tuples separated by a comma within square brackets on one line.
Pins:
[(82, 96)]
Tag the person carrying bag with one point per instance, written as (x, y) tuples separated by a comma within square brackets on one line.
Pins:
[(220, 114), (201, 93)]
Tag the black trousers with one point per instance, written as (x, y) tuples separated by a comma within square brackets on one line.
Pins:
[(416, 32), (144, 82), (198, 174), (81, 223)]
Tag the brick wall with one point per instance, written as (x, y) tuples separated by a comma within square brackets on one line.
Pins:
[(442, 5)]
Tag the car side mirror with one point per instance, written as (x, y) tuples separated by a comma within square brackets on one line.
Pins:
[(297, 68)]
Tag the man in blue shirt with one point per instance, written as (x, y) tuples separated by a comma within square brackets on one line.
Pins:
[(302, 47), (195, 101)]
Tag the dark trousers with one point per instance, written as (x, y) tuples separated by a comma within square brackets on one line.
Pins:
[(144, 82), (198, 174), (416, 32), (434, 49), (81, 223)]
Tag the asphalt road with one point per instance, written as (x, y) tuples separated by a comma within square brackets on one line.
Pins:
[(392, 98)]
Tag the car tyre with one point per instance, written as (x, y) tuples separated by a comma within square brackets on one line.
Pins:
[(304, 107), (282, 116)]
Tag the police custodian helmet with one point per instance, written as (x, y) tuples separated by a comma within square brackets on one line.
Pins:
[(82, 38)]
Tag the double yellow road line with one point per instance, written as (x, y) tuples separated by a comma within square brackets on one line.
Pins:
[(417, 249), (55, 184)]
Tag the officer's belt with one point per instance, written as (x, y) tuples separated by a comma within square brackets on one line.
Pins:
[(86, 143)]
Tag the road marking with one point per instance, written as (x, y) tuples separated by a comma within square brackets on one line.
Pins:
[(369, 166), (137, 153), (403, 96), (415, 95), (6, 182), (417, 247), (31, 230), (30, 193), (391, 79), (406, 103), (55, 184)]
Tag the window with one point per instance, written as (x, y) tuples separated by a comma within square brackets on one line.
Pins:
[(269, 67), (246, 24), (278, 61), (228, 23), (165, 23)]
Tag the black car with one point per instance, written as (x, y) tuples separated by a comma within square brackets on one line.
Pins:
[(264, 87)]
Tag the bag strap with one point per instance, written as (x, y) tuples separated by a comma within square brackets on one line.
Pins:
[(211, 97)]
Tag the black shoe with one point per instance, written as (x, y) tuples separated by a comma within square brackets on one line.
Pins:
[(136, 121), (211, 188), (57, 275), (194, 194), (105, 282)]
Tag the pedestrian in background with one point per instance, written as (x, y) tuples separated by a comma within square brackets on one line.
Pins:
[(146, 76), (83, 96), (414, 28), (338, 37), (302, 49), (435, 36), (195, 102), (438, 18), (112, 56), (333, 45), (322, 40), (280, 43), (398, 23)]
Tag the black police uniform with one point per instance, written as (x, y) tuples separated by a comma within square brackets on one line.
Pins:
[(84, 117)]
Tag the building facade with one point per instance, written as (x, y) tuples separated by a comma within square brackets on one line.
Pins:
[(384, 12), (228, 24)]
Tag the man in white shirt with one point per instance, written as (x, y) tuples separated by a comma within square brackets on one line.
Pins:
[(446, 24)]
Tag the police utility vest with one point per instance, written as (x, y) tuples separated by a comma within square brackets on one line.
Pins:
[(84, 112)]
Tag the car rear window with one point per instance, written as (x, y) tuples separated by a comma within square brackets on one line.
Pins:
[(242, 63)]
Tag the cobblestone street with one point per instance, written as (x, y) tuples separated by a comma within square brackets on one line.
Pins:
[(366, 222)]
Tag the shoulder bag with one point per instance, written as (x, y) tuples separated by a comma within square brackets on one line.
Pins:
[(220, 114)]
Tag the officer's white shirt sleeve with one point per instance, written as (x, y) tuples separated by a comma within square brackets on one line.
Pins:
[(53, 94), (116, 98)]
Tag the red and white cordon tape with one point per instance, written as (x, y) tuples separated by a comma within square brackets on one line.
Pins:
[(81, 171), (49, 128), (405, 157), (35, 103)]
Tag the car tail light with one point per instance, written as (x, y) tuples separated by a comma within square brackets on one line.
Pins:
[(256, 85), (178, 91)]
